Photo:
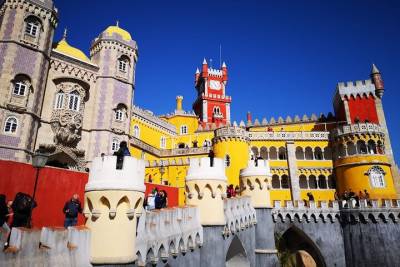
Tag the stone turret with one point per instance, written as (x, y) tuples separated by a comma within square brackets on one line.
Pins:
[(113, 202), (206, 187), (255, 180)]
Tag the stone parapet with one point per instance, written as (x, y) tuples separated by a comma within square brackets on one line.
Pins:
[(201, 169), (370, 210), (255, 169), (230, 133), (239, 214), (166, 233), (358, 128), (104, 175), (314, 136)]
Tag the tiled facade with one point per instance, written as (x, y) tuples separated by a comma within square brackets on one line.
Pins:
[(71, 132)]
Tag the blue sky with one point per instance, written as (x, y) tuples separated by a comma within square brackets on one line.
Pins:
[(284, 57)]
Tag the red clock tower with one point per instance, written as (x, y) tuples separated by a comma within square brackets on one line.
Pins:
[(212, 105)]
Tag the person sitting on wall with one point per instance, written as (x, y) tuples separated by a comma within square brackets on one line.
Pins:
[(71, 210), (310, 196), (121, 153), (369, 203), (151, 199)]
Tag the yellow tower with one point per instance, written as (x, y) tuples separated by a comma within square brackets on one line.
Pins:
[(360, 161), (206, 187), (232, 144), (113, 201), (255, 181)]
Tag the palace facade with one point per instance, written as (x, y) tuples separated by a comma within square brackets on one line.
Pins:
[(75, 107)]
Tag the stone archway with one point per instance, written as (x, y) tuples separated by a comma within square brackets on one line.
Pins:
[(236, 255), (297, 249)]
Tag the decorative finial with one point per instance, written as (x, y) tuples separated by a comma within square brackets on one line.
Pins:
[(65, 33), (210, 62), (224, 65), (204, 61), (197, 71), (374, 69), (117, 23)]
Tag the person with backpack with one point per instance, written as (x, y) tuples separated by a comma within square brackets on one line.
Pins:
[(71, 210)]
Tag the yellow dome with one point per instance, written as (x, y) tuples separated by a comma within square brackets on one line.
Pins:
[(64, 48), (121, 32)]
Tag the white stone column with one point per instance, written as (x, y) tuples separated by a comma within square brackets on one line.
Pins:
[(292, 164)]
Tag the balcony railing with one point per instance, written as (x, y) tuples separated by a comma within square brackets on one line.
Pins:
[(358, 128), (322, 136)]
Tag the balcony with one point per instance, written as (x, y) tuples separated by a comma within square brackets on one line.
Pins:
[(359, 128)]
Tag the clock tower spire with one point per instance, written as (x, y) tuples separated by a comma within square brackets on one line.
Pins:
[(212, 104)]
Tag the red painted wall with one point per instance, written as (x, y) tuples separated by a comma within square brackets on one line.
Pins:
[(363, 108), (55, 187)]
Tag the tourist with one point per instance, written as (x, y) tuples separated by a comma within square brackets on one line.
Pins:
[(71, 210), (310, 196), (237, 190), (336, 196), (22, 206), (9, 222), (369, 203), (211, 156), (122, 152), (230, 191), (161, 200), (3, 215), (151, 199)]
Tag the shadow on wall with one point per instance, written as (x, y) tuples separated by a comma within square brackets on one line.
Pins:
[(236, 255)]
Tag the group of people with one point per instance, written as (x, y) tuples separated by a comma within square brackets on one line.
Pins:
[(350, 195), (232, 191), (157, 199)]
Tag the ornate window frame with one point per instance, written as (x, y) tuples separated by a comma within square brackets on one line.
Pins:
[(59, 100), (136, 131), (376, 177), (163, 142), (114, 144), (10, 125), (184, 129)]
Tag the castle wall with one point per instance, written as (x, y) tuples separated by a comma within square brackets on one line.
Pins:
[(371, 243)]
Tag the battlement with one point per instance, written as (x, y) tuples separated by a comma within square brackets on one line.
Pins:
[(201, 169), (215, 73), (354, 88), (167, 233), (231, 132), (104, 175), (239, 214), (358, 128), (261, 169), (217, 96)]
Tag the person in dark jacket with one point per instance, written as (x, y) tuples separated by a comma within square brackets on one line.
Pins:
[(122, 152), (71, 210), (3, 214), (161, 199)]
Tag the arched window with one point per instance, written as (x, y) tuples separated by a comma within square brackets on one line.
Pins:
[(20, 85), (11, 125), (361, 147), (59, 101), (380, 148), (299, 153), (217, 110), (322, 182), (327, 153), (303, 181), (136, 131), (254, 150), (371, 147), (275, 182), (282, 153), (227, 161), (115, 144), (341, 151), (318, 153), (376, 176), (73, 101), (351, 148), (163, 142), (285, 181), (184, 129), (264, 152), (309, 153), (32, 26), (123, 64), (206, 143), (273, 153), (331, 182), (119, 115), (312, 182)]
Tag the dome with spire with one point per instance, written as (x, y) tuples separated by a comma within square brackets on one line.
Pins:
[(119, 31), (64, 48)]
